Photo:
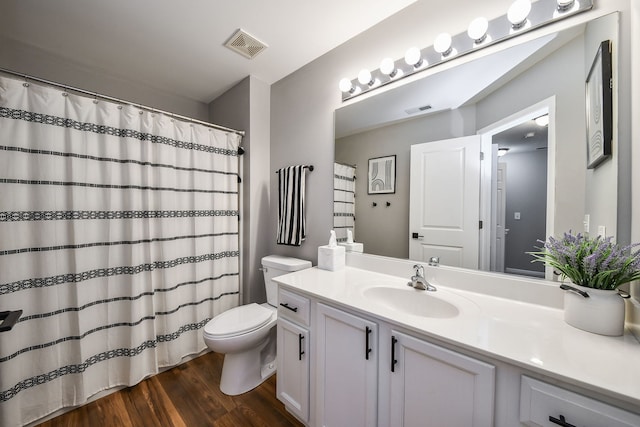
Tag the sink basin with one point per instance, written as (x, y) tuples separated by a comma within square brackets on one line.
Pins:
[(411, 301)]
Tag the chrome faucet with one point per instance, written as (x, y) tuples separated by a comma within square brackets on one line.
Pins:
[(419, 282)]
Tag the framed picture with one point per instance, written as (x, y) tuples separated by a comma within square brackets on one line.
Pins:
[(382, 175), (599, 107)]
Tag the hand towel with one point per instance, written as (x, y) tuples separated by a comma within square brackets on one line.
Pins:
[(291, 213)]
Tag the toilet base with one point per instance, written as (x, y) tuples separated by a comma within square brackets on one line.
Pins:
[(244, 371)]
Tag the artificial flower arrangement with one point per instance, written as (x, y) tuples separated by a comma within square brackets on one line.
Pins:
[(592, 262)]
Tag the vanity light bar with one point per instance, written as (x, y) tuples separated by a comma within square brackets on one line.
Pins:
[(481, 33)]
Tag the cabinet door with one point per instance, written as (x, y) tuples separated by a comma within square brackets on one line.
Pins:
[(292, 378), (347, 369), (433, 386)]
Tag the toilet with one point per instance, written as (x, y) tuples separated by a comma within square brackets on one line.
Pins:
[(246, 335)]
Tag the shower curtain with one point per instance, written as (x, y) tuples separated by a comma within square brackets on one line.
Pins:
[(118, 240), (344, 192)]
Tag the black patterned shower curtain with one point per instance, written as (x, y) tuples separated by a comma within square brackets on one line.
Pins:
[(118, 240)]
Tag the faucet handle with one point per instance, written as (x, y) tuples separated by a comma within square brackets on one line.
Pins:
[(434, 261), (419, 270)]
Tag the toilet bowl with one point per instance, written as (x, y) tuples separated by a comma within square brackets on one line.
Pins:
[(246, 335)]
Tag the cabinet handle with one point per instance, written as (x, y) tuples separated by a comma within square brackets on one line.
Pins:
[(287, 306), (300, 350), (367, 349), (393, 353), (561, 422)]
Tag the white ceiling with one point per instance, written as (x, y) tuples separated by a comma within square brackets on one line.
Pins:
[(177, 46)]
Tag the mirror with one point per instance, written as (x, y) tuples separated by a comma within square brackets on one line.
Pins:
[(494, 96)]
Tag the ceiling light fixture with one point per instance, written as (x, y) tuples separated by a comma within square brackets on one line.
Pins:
[(502, 151), (522, 16), (542, 121)]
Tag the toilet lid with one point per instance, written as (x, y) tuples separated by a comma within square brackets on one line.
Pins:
[(238, 320)]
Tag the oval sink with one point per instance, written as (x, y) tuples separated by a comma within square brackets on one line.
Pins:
[(411, 301)]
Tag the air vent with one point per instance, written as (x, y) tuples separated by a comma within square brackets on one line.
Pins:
[(418, 109), (245, 44)]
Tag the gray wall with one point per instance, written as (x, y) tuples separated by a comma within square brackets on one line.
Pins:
[(30, 60), (526, 193), (379, 234), (246, 106)]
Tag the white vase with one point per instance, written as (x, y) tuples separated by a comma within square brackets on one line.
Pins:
[(602, 312)]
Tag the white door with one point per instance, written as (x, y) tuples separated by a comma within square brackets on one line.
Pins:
[(444, 201), (347, 370), (501, 216), (433, 386)]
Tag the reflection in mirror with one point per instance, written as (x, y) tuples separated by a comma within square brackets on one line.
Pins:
[(495, 97)]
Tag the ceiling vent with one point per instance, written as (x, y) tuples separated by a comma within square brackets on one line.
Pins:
[(245, 44), (418, 109)]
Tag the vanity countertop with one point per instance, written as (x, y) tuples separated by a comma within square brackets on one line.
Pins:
[(532, 336)]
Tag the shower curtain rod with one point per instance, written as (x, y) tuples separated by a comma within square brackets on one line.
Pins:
[(119, 101)]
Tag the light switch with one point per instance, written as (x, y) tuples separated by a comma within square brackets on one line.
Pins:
[(602, 231), (516, 215), (587, 219)]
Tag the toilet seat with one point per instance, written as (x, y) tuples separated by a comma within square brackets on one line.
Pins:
[(238, 320)]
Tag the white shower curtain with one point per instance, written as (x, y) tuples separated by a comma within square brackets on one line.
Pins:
[(344, 206), (118, 240)]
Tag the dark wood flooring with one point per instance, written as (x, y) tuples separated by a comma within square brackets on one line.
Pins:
[(188, 395)]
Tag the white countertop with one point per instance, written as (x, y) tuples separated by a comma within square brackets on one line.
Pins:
[(528, 335)]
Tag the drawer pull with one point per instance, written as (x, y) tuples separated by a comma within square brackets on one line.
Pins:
[(367, 349), (561, 422), (287, 306), (300, 350), (393, 353)]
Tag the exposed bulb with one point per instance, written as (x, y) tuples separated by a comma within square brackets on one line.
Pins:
[(346, 86), (477, 30), (413, 57), (442, 44), (565, 5), (364, 77), (542, 120), (518, 13), (388, 67)]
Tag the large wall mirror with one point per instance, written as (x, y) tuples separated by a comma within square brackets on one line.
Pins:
[(446, 134)]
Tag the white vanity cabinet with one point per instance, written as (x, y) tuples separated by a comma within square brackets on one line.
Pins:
[(292, 375), (433, 386), (346, 381)]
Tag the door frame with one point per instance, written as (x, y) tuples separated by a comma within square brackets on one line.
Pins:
[(548, 106)]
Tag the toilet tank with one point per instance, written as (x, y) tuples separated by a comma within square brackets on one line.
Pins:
[(276, 265)]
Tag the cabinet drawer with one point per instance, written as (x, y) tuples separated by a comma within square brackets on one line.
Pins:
[(542, 404), (293, 307)]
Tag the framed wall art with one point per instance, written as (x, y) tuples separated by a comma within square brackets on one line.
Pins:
[(599, 107), (382, 175)]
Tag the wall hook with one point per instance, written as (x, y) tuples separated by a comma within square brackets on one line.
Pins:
[(375, 204), (388, 204)]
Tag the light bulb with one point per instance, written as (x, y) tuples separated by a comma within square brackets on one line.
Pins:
[(565, 4), (518, 13), (364, 77), (442, 44), (477, 30), (388, 67), (345, 85), (413, 57)]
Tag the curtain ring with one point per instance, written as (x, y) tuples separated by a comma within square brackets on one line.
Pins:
[(26, 81), (95, 98)]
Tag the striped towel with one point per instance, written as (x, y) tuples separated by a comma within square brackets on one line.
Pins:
[(291, 215)]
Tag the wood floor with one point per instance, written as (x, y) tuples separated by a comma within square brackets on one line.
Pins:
[(187, 395)]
